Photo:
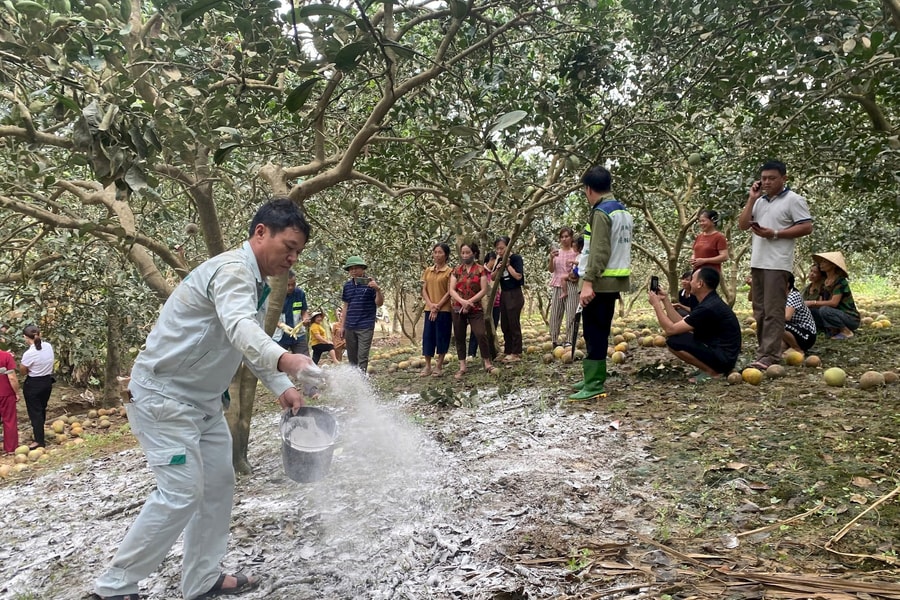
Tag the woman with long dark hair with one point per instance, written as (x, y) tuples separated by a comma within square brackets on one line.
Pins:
[(468, 285), (512, 300), (438, 322), (37, 366), (564, 292)]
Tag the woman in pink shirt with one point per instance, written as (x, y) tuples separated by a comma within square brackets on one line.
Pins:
[(564, 293)]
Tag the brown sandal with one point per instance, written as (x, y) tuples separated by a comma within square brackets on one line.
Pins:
[(243, 584)]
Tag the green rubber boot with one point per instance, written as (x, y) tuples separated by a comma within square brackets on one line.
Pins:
[(594, 377)]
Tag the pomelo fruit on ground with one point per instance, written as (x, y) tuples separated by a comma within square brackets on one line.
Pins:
[(793, 358), (871, 380), (734, 378), (752, 376), (835, 377), (890, 377), (548, 358), (775, 371), (813, 361), (618, 357), (21, 450), (622, 347), (5, 470), (659, 341)]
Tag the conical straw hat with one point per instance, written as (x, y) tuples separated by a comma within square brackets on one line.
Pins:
[(835, 258)]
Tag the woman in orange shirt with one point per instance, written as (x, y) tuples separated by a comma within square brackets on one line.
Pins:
[(710, 247)]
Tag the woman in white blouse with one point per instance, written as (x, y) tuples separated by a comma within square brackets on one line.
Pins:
[(37, 365)]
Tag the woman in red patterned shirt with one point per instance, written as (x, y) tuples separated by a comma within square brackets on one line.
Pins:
[(468, 285)]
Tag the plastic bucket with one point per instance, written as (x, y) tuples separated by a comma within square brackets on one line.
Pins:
[(307, 443)]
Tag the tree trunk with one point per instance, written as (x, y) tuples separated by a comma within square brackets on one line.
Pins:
[(243, 387), (113, 351), (243, 392)]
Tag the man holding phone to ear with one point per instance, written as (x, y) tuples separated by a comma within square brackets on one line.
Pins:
[(776, 216)]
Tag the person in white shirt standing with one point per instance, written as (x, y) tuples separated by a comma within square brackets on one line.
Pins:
[(776, 217), (37, 366), (211, 322)]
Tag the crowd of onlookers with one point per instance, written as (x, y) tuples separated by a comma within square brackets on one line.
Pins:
[(704, 334)]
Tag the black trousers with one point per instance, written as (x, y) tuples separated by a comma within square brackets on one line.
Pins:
[(37, 393), (596, 321)]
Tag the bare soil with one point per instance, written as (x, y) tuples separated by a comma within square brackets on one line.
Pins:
[(497, 487)]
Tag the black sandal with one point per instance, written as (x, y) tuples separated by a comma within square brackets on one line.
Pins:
[(244, 584), (119, 597)]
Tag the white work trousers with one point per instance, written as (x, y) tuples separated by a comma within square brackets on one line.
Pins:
[(190, 455)]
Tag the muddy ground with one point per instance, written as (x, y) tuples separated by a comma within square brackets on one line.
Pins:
[(499, 488)]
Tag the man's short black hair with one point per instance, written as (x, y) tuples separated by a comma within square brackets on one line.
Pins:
[(774, 165), (598, 179), (709, 276), (279, 214)]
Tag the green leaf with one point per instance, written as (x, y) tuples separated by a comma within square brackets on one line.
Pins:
[(135, 178), (348, 56), (197, 10), (231, 131), (462, 160), (221, 154), (300, 94), (458, 9), (508, 120), (322, 10), (463, 131), (401, 50), (125, 10)]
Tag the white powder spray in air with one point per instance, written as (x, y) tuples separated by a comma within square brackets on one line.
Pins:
[(385, 477)]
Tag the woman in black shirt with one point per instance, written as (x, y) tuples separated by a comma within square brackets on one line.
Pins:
[(512, 300)]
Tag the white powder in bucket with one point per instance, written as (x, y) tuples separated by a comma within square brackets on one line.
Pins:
[(304, 434)]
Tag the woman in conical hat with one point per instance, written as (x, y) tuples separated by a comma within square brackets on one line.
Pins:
[(836, 314)]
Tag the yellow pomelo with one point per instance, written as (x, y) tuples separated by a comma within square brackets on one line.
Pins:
[(835, 377), (752, 376), (793, 358)]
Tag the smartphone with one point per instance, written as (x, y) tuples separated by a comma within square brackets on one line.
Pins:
[(654, 284), (361, 281)]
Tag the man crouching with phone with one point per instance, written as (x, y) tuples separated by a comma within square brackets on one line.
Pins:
[(709, 338)]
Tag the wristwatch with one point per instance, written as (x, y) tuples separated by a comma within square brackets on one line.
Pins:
[(774, 234)]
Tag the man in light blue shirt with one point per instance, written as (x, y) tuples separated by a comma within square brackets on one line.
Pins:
[(211, 322)]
